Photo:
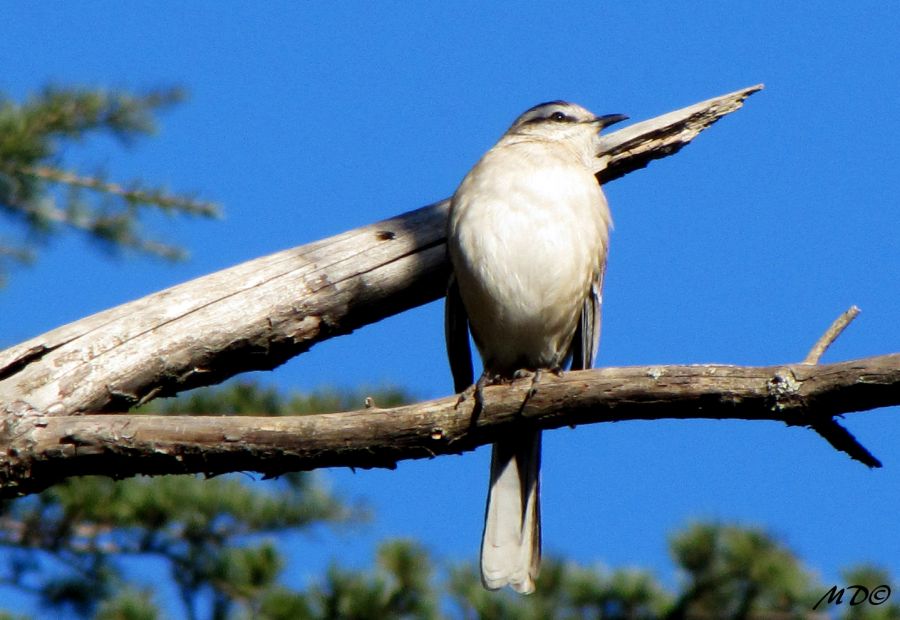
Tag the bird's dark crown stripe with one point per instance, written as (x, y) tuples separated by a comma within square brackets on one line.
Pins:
[(547, 103)]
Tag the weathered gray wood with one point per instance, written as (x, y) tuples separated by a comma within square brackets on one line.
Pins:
[(253, 316), (43, 450), (260, 313)]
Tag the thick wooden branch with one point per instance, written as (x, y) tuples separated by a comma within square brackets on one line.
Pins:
[(43, 450), (260, 313)]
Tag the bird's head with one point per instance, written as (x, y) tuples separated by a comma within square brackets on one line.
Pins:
[(562, 121)]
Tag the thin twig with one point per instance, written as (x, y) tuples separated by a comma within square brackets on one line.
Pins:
[(842, 439), (839, 325)]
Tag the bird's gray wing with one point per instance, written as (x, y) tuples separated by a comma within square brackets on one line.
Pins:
[(456, 334), (587, 334)]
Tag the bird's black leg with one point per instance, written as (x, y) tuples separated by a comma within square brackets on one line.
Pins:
[(535, 379), (484, 380), (477, 390)]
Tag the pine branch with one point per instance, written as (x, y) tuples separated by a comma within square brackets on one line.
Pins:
[(74, 112), (136, 194), (118, 228), (46, 198)]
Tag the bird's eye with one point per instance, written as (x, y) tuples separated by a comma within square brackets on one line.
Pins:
[(558, 116)]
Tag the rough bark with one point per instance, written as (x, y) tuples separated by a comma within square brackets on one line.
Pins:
[(260, 313), (43, 450)]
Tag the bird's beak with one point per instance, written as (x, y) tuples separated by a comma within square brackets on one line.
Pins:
[(609, 119)]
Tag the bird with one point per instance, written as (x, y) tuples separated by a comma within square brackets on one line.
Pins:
[(527, 239)]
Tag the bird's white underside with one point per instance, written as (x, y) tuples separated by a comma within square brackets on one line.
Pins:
[(522, 265)]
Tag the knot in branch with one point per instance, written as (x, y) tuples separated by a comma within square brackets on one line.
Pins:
[(783, 390)]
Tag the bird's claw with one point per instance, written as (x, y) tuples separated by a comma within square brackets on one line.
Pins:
[(536, 378)]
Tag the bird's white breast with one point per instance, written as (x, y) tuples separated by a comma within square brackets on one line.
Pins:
[(528, 232)]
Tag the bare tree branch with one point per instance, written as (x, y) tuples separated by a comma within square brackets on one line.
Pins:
[(260, 313), (830, 335), (829, 428), (42, 450)]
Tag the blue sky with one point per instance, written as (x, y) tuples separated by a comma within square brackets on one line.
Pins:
[(308, 119)]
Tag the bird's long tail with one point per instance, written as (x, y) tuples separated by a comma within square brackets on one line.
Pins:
[(511, 544)]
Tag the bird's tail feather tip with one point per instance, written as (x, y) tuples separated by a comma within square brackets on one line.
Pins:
[(522, 585), (519, 579)]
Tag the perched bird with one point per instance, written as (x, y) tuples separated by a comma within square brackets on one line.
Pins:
[(527, 238)]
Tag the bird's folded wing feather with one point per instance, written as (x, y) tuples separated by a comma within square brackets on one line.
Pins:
[(587, 334), (456, 333)]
